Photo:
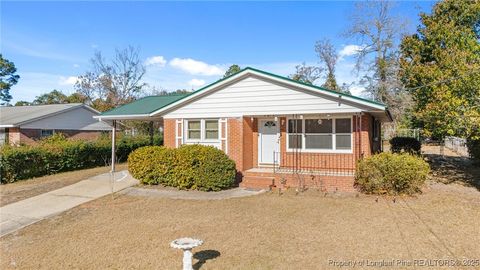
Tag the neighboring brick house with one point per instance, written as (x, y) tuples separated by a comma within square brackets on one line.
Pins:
[(278, 131), (27, 124)]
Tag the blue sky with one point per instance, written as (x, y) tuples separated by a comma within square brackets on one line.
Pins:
[(185, 44)]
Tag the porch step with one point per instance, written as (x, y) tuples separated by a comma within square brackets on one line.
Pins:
[(257, 182), (258, 174)]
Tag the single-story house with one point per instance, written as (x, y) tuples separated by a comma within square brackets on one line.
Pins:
[(277, 130), (27, 124)]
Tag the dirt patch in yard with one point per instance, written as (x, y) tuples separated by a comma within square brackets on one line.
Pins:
[(449, 167), (268, 231), (24, 189)]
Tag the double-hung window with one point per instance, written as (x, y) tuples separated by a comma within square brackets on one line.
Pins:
[(295, 131), (320, 134), (343, 134), (211, 129), (194, 129), (202, 129), (46, 133)]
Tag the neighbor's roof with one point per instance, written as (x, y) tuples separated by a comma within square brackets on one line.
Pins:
[(11, 116), (136, 109), (144, 106)]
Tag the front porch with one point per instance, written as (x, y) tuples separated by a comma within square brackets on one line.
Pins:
[(271, 178)]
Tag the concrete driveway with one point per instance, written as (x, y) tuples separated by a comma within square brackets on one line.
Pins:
[(23, 213)]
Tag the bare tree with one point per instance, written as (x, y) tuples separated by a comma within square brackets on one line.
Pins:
[(379, 33), (306, 74), (328, 57), (113, 83)]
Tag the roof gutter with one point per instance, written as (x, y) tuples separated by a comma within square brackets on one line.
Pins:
[(122, 117)]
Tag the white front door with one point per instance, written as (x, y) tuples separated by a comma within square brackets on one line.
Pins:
[(268, 141)]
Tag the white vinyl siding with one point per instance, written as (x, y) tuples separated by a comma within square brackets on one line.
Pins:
[(320, 135), (253, 96)]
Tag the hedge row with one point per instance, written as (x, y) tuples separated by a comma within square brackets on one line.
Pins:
[(388, 173), (57, 154), (188, 167)]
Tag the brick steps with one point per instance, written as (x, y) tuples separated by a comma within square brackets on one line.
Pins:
[(257, 182)]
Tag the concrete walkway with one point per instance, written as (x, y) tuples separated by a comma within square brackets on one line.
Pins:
[(173, 193), (23, 213)]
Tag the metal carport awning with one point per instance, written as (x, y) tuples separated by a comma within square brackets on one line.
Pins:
[(141, 110)]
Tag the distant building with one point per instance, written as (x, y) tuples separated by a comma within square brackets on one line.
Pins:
[(27, 124)]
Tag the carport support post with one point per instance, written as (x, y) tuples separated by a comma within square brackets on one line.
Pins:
[(112, 171), (114, 131), (150, 131)]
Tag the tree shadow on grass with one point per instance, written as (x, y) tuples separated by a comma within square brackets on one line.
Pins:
[(454, 169), (203, 256)]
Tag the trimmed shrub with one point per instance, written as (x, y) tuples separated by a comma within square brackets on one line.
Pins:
[(57, 154), (188, 167), (405, 144), (474, 149), (388, 173), (152, 164), (204, 168)]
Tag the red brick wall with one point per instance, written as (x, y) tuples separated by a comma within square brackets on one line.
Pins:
[(31, 136), (18, 136), (169, 132), (362, 145), (247, 143), (235, 141), (243, 144), (79, 134), (13, 136), (325, 183)]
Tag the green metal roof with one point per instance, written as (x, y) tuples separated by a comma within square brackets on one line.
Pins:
[(144, 105)]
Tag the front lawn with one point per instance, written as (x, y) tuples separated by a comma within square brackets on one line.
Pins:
[(306, 231)]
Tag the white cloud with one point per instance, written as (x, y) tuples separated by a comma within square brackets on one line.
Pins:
[(76, 65), (195, 67), (156, 61), (68, 80), (349, 50), (196, 82), (357, 90)]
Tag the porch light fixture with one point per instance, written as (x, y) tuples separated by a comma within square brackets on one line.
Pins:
[(276, 119)]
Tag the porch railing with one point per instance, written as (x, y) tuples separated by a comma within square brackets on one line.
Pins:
[(315, 163)]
